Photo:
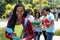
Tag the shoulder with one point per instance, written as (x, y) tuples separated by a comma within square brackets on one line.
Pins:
[(51, 14), (27, 20), (31, 16), (41, 18)]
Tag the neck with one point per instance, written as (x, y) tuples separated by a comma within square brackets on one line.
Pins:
[(48, 12), (45, 15), (36, 17), (19, 18), (27, 16)]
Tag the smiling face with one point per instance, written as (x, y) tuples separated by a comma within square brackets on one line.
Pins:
[(37, 15), (19, 12), (44, 12)]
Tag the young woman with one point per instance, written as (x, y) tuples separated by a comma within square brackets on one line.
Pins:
[(37, 28), (16, 23)]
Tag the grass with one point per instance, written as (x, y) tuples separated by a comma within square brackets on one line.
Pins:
[(2, 34), (57, 32)]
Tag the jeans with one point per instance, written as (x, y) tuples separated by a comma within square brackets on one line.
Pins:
[(45, 35), (37, 35), (50, 36)]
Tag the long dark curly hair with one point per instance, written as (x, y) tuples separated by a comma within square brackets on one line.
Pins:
[(12, 20)]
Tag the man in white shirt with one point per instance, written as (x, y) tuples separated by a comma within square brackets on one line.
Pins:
[(50, 29), (28, 15)]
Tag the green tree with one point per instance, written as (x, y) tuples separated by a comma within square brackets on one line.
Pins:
[(11, 1), (2, 8)]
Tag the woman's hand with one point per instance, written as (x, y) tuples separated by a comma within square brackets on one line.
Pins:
[(20, 39), (23, 39), (33, 25), (13, 34), (40, 24)]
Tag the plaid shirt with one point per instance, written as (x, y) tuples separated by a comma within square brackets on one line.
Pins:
[(28, 29)]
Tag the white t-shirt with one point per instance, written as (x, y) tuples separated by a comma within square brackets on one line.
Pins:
[(37, 28), (31, 18), (51, 28), (42, 18)]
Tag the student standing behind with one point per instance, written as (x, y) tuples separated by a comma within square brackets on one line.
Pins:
[(28, 15), (37, 29), (50, 29), (42, 18)]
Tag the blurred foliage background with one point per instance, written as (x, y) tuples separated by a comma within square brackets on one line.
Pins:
[(6, 6)]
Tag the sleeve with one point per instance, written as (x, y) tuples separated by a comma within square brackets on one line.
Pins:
[(41, 18), (32, 19), (9, 30), (52, 17), (7, 35), (30, 30)]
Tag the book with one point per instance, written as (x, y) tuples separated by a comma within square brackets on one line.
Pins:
[(47, 23), (35, 23)]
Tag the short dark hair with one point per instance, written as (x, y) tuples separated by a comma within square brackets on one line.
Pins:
[(47, 9), (26, 12)]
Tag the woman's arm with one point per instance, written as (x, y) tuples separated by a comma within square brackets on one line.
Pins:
[(7, 35)]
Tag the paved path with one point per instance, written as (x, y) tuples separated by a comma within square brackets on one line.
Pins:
[(54, 38), (4, 23)]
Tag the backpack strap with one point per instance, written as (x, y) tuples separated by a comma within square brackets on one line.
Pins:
[(25, 24), (24, 28)]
